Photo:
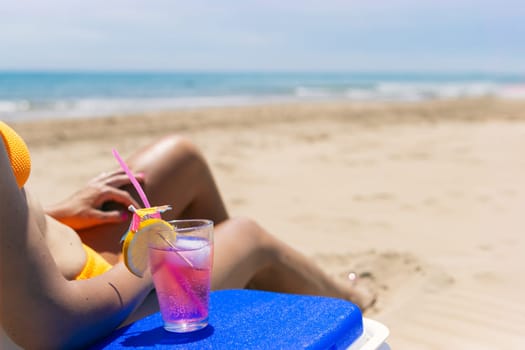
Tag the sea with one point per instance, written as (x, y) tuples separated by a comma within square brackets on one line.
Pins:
[(51, 94)]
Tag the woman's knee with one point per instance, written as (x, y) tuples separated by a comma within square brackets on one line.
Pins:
[(173, 151), (176, 145)]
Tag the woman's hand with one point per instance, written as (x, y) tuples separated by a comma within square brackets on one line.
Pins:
[(85, 208)]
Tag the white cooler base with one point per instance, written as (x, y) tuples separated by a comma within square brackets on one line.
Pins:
[(373, 337)]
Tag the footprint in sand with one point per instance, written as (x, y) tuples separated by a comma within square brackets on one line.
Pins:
[(396, 277)]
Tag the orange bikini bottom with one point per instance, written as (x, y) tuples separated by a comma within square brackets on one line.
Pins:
[(95, 265)]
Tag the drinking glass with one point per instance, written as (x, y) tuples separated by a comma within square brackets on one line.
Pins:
[(181, 271)]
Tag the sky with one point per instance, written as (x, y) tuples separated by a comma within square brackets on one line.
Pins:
[(263, 35)]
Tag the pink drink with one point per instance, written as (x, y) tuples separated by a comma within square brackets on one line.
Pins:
[(182, 280)]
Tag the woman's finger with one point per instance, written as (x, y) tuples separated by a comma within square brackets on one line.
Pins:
[(119, 180), (102, 177), (113, 216), (117, 195)]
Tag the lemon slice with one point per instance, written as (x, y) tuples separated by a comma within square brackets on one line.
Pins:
[(135, 245)]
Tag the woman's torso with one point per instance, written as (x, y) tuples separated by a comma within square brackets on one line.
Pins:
[(63, 242), (65, 247)]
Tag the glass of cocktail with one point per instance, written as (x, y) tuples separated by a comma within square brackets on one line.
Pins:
[(181, 270)]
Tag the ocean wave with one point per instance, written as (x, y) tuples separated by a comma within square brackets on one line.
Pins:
[(14, 106), (312, 92), (425, 91), (93, 107), (402, 91)]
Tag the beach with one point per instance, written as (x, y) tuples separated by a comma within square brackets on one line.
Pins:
[(425, 199)]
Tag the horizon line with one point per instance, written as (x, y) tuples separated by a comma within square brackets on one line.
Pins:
[(264, 71)]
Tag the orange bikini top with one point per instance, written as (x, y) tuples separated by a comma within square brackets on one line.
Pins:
[(18, 153)]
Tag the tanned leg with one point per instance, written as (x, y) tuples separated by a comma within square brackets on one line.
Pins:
[(248, 256)]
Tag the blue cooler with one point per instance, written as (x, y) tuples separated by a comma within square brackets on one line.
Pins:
[(248, 319)]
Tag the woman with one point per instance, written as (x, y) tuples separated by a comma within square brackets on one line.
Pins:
[(62, 283)]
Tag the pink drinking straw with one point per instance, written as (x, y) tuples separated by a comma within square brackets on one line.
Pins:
[(142, 196), (134, 181)]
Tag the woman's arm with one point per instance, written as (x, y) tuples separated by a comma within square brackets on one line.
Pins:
[(39, 308)]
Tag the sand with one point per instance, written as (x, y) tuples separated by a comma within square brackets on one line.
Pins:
[(427, 198)]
